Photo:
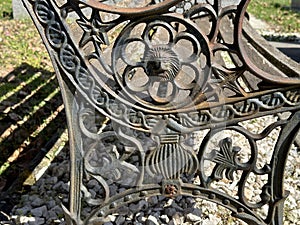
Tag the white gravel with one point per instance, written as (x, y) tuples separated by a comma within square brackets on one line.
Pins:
[(42, 204)]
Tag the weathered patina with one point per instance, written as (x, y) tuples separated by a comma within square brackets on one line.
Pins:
[(141, 80)]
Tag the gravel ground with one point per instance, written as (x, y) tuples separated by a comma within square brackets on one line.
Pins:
[(42, 204)]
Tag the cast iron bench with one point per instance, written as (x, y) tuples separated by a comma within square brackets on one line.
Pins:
[(150, 87)]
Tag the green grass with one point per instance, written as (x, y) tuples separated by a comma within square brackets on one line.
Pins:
[(5, 9), (19, 43), (276, 13)]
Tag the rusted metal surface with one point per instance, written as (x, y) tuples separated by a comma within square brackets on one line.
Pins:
[(141, 78)]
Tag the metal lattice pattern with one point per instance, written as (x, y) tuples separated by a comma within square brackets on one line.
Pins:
[(141, 83)]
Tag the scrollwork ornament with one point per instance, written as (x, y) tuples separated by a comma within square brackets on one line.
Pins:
[(162, 73)]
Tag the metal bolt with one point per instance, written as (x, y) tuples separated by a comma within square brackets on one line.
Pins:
[(171, 189)]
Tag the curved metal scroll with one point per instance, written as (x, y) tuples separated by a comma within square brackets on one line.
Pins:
[(161, 73)]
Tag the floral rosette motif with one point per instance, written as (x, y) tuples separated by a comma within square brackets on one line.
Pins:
[(164, 63)]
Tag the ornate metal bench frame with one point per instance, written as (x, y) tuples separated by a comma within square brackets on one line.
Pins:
[(139, 84)]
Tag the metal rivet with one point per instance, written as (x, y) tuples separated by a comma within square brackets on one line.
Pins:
[(240, 210), (144, 193), (127, 198), (101, 213), (226, 201), (113, 205), (196, 192), (212, 196)]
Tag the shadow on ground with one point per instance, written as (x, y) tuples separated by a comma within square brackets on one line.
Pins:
[(32, 119)]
